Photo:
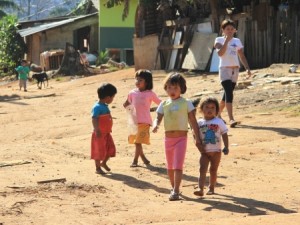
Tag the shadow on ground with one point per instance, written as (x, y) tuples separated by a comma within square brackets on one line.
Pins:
[(234, 204), (291, 132)]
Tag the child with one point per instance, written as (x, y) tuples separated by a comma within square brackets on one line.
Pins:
[(212, 130), (141, 98), (230, 50), (102, 144), (177, 113), (23, 71)]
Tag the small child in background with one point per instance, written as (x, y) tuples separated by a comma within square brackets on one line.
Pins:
[(23, 71), (177, 113), (141, 98), (212, 130), (102, 144)]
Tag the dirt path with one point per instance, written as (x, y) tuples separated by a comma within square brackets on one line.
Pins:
[(50, 130)]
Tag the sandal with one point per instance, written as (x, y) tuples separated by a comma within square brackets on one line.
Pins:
[(174, 196), (134, 164), (99, 171), (210, 192), (232, 123)]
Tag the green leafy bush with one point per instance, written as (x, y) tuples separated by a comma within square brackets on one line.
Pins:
[(13, 47), (102, 58)]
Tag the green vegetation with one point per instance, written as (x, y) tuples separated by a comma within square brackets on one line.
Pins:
[(294, 110), (13, 47), (6, 4), (102, 58)]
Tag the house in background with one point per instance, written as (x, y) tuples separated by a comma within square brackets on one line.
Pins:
[(53, 34), (115, 34)]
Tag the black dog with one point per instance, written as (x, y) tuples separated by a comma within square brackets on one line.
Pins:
[(41, 78)]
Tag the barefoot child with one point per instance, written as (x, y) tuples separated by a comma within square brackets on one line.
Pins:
[(140, 99), (212, 131), (102, 144), (177, 113)]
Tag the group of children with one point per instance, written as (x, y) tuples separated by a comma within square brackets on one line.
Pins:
[(177, 114)]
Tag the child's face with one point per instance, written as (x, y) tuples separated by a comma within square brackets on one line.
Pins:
[(229, 30), (109, 99), (209, 111), (140, 83), (173, 91)]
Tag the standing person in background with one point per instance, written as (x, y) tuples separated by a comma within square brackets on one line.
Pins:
[(212, 131), (141, 98), (230, 50), (23, 71), (102, 144), (177, 112)]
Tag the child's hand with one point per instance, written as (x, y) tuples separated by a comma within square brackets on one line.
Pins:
[(249, 74), (228, 38), (225, 151), (98, 133), (155, 129), (200, 147), (126, 104)]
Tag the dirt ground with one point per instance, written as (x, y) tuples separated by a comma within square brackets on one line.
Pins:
[(45, 135)]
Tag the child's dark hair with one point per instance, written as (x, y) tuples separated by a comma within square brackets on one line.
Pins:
[(106, 90), (209, 100), (226, 23), (23, 61), (147, 76), (175, 79)]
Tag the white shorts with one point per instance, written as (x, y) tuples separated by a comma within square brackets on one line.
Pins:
[(226, 73)]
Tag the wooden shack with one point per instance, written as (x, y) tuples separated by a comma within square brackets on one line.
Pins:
[(269, 29), (52, 35)]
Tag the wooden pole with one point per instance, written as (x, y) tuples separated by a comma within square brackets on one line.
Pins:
[(214, 15)]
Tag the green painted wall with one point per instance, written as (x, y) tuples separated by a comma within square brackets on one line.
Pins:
[(116, 37), (113, 31), (112, 17)]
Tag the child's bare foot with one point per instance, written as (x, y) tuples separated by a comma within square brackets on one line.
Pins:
[(210, 192), (105, 166), (199, 193), (146, 162), (99, 170)]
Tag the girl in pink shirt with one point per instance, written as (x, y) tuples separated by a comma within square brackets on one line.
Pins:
[(141, 98)]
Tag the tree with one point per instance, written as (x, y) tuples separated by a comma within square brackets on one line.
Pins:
[(59, 11), (41, 9), (182, 8), (6, 4), (13, 47)]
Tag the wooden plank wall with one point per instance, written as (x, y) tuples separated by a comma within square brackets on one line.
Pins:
[(278, 43)]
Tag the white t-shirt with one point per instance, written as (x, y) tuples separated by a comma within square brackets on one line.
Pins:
[(230, 57), (211, 133)]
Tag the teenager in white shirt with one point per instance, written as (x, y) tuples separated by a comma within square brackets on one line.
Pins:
[(230, 51)]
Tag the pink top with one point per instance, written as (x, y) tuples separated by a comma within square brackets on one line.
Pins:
[(142, 100)]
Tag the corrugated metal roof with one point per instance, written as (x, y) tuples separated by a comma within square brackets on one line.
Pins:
[(32, 30)]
